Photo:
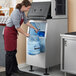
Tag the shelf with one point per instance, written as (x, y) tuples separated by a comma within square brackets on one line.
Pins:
[(2, 14), (4, 9)]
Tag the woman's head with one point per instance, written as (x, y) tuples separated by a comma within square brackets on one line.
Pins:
[(24, 6)]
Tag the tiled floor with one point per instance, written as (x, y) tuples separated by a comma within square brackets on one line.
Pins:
[(54, 71)]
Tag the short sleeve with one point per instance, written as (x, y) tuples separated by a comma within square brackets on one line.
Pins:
[(25, 19), (16, 18)]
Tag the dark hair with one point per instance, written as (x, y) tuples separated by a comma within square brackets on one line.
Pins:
[(26, 3)]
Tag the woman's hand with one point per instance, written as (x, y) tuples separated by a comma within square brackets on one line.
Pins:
[(27, 35), (36, 30), (30, 25), (21, 31)]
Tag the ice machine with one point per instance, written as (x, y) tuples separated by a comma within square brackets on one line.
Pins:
[(50, 18)]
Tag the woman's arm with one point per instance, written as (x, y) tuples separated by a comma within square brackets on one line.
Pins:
[(30, 25), (21, 31)]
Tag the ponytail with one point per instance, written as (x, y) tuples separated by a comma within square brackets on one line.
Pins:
[(18, 6)]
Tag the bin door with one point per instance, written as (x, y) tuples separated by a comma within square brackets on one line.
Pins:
[(70, 56)]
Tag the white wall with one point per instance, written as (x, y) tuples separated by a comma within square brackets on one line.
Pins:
[(1, 2), (9, 3), (13, 3)]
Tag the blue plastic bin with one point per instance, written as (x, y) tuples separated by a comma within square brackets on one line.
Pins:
[(41, 33), (33, 45)]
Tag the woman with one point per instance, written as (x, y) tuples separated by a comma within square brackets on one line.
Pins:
[(10, 35)]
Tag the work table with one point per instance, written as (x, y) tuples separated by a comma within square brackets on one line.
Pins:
[(68, 52)]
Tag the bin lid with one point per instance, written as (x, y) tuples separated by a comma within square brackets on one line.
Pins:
[(39, 10)]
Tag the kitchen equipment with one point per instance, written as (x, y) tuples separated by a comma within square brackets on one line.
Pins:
[(50, 18), (68, 52)]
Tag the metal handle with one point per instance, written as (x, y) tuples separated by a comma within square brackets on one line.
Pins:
[(65, 43)]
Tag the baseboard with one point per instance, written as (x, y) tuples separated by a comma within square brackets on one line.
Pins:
[(22, 65)]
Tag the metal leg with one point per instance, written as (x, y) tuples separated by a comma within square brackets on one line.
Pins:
[(46, 73), (49, 68), (31, 68)]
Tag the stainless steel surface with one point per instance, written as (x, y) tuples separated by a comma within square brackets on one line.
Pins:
[(53, 11), (51, 56), (68, 53), (39, 10), (41, 0), (54, 27)]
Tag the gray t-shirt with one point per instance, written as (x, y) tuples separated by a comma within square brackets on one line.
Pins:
[(15, 18)]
